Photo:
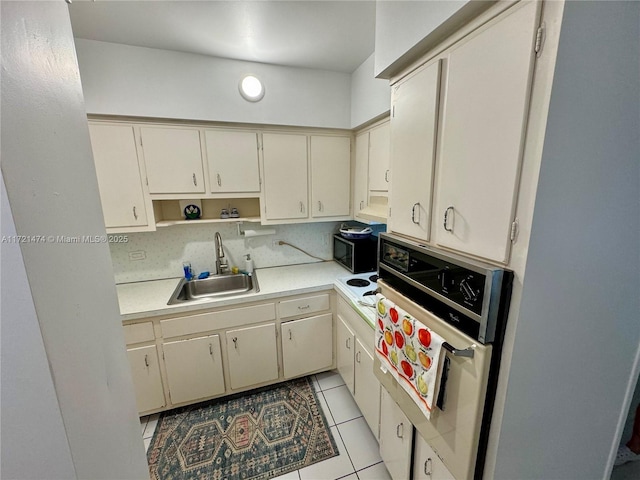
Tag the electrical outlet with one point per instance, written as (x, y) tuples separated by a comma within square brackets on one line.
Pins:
[(137, 255)]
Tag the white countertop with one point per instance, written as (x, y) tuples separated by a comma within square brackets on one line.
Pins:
[(149, 299)]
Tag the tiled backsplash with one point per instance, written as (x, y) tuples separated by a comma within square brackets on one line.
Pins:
[(166, 249)]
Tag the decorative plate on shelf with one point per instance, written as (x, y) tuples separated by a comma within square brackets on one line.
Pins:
[(191, 212)]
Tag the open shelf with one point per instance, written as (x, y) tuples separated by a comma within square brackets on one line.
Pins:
[(168, 212)]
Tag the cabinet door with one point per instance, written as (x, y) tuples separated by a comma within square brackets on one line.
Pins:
[(345, 352), (330, 176), (285, 176), (361, 180), (252, 355), (233, 161), (396, 438), (483, 125), (173, 159), (307, 345), (147, 382), (194, 368), (426, 463), (367, 388), (119, 180), (379, 158), (413, 135)]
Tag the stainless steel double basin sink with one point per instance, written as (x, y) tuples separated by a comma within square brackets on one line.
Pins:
[(216, 286)]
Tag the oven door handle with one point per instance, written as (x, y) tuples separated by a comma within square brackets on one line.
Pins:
[(456, 352)]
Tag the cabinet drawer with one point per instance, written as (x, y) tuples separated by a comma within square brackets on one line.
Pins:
[(138, 333), (206, 322), (303, 306)]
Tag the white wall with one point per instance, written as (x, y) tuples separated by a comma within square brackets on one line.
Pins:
[(52, 188), (578, 331), (30, 417), (370, 96), (401, 24), (125, 80)]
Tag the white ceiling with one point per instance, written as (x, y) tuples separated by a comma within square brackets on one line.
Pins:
[(326, 35)]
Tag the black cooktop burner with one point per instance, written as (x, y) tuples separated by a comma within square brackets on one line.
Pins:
[(370, 292), (358, 282), (373, 278)]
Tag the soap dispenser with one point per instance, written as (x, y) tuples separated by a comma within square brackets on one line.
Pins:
[(248, 264)]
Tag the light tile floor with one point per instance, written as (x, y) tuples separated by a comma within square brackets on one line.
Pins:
[(359, 457)]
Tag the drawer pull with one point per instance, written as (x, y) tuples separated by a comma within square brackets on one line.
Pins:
[(146, 360), (427, 467), (304, 308), (400, 430)]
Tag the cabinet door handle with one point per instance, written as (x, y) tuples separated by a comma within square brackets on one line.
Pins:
[(446, 218), (235, 342), (301, 207), (210, 349), (386, 176), (195, 182), (146, 360), (427, 467), (413, 213), (400, 430), (361, 202), (219, 179), (290, 334), (358, 353), (135, 214), (319, 206), (348, 343)]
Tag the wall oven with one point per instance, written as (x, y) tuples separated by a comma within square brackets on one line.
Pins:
[(466, 303)]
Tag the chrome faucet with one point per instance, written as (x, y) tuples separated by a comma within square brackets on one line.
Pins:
[(221, 266)]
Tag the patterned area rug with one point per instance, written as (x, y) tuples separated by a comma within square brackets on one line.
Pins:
[(255, 435)]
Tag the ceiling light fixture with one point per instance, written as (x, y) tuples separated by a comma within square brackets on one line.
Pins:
[(251, 88)]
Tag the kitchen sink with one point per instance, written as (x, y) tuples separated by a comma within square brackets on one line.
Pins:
[(215, 286)]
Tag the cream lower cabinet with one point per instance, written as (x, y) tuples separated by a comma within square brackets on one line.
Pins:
[(426, 463), (147, 381), (330, 175), (252, 355), (194, 368), (396, 438), (306, 345), (354, 351)]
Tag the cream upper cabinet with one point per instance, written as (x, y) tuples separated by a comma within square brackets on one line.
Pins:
[(379, 148), (285, 192), (330, 175), (414, 121), (173, 158), (233, 161), (484, 116), (361, 173), (119, 178)]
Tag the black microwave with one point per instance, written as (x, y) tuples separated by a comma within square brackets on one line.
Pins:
[(357, 256)]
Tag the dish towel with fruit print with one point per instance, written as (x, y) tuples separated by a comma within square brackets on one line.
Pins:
[(410, 351)]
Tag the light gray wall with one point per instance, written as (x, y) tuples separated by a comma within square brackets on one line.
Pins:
[(401, 24), (125, 80), (30, 416), (52, 188), (370, 96), (578, 331)]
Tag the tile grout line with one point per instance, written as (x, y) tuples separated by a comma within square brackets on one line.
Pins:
[(341, 439)]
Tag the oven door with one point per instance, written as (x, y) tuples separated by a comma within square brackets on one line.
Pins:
[(453, 431)]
